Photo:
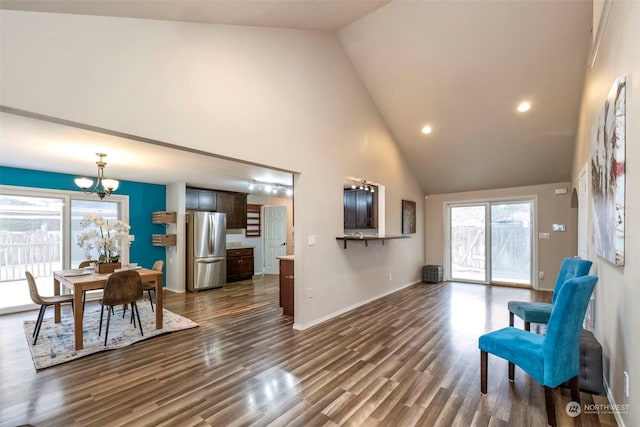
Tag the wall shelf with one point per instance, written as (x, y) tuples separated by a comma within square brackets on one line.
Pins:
[(163, 239), (367, 238), (162, 217)]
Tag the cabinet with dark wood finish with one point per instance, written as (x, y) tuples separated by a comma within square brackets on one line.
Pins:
[(286, 286), (360, 209), (233, 204), (239, 264)]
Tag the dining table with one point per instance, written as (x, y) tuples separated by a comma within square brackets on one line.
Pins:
[(81, 281)]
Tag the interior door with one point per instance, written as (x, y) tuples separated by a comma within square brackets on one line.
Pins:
[(275, 237)]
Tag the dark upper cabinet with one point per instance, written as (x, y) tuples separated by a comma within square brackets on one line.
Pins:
[(233, 204), (239, 216), (360, 209), (349, 209), (191, 201), (207, 201), (225, 204)]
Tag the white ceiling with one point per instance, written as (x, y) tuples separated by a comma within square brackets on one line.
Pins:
[(460, 66)]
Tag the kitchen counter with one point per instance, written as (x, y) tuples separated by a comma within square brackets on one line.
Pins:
[(286, 257)]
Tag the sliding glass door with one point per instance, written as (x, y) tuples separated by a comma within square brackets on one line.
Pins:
[(31, 239), (511, 238), (468, 243), (491, 242), (38, 233)]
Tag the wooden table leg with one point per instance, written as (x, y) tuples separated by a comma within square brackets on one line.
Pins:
[(56, 307), (159, 301), (77, 319)]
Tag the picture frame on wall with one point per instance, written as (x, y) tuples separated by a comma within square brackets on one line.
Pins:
[(408, 217), (608, 171)]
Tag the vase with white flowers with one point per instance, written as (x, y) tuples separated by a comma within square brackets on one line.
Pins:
[(107, 237)]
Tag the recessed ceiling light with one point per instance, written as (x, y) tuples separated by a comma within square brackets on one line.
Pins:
[(426, 130), (524, 106)]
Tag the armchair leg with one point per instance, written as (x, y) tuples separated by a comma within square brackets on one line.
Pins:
[(510, 319), (512, 372), (483, 372), (551, 409), (527, 326)]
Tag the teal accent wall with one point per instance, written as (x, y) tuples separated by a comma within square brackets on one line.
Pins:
[(143, 200)]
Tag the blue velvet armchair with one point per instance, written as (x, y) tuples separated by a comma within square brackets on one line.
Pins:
[(552, 359), (539, 312)]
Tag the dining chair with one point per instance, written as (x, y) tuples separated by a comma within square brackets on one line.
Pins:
[(123, 287), (149, 286), (539, 312), (43, 302), (551, 359)]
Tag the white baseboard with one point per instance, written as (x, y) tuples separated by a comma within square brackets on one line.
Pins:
[(302, 327), (612, 402)]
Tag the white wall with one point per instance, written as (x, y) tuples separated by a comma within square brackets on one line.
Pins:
[(286, 98), (175, 269), (617, 293)]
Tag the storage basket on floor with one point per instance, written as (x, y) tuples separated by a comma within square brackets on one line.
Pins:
[(432, 273)]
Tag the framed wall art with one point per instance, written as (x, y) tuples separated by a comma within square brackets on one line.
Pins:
[(408, 217), (608, 168)]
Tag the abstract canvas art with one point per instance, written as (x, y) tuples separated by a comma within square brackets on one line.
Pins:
[(408, 217), (608, 175)]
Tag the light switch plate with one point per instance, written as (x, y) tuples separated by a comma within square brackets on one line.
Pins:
[(311, 240), (543, 236)]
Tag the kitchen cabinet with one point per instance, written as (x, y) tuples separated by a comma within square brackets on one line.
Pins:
[(201, 200), (233, 204), (239, 264), (286, 285), (360, 209)]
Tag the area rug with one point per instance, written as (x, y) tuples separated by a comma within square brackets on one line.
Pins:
[(55, 343)]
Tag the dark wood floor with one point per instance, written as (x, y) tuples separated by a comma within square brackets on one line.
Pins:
[(410, 358)]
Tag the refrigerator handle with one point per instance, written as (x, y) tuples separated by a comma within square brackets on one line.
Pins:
[(211, 234)]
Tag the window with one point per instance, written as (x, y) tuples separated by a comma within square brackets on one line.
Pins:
[(38, 229)]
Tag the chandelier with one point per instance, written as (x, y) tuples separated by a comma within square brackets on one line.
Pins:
[(104, 186), (362, 185)]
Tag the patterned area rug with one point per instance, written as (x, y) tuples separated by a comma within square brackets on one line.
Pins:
[(55, 343)]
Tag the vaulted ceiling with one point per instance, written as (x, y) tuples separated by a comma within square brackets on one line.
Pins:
[(461, 67)]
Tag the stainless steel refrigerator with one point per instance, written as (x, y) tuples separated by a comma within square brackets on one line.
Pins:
[(206, 250)]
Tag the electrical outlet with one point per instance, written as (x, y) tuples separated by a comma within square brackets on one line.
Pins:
[(390, 276), (309, 293), (541, 275), (626, 384)]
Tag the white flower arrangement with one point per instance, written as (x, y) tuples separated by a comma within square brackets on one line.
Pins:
[(106, 236)]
